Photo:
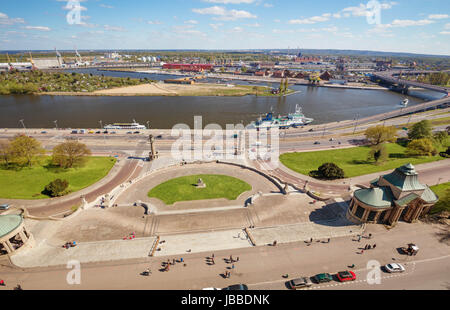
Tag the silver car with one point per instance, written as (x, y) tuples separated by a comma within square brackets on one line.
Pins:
[(394, 268), (300, 283)]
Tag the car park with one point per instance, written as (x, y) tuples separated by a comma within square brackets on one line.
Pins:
[(394, 268), (322, 278), (345, 276), (300, 283)]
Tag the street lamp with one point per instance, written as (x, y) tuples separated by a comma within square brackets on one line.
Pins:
[(101, 124), (148, 124), (56, 124)]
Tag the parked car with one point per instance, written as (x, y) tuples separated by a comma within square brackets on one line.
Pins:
[(317, 142), (211, 289), (43, 132), (323, 278), (311, 130), (159, 137), (394, 268), (106, 131), (345, 276), (236, 287), (98, 132), (137, 132), (300, 283), (113, 132), (4, 207), (74, 132), (129, 133)]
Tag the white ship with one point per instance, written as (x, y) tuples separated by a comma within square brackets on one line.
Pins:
[(405, 102), (128, 126)]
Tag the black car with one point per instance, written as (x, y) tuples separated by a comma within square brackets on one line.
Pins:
[(317, 142), (236, 287), (98, 132), (137, 132)]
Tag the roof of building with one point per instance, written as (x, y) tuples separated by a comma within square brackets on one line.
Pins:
[(429, 196), (405, 178), (8, 223), (407, 199), (378, 197)]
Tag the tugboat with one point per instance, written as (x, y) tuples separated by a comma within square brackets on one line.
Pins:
[(405, 102), (283, 122), (298, 118)]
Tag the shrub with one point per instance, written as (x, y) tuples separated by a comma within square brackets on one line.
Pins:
[(56, 188), (328, 171), (421, 147)]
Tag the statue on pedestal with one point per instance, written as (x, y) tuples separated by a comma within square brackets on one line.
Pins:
[(201, 184)]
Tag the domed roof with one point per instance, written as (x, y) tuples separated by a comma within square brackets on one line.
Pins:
[(8, 223), (379, 197)]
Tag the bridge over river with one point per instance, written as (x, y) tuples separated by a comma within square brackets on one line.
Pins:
[(392, 77)]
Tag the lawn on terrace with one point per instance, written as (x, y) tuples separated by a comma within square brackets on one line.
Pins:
[(352, 160), (444, 203), (28, 183), (185, 189)]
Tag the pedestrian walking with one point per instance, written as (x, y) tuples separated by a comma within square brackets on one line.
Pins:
[(370, 236), (275, 243), (2, 283), (362, 251), (212, 261), (329, 240), (369, 247), (232, 266), (212, 255), (311, 240), (173, 262), (237, 258), (374, 246), (181, 260), (359, 238), (231, 258)]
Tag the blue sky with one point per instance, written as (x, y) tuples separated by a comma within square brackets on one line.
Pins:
[(417, 26)]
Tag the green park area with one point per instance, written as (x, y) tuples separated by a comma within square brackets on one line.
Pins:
[(29, 182), (354, 161), (185, 188), (443, 192)]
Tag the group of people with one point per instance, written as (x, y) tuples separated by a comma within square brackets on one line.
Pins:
[(17, 288), (130, 236), (68, 245)]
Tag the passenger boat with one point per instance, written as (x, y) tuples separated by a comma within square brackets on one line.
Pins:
[(127, 126), (405, 102)]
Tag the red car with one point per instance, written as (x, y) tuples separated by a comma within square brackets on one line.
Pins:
[(345, 276)]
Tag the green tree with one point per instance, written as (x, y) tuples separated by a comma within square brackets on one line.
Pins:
[(421, 147), (6, 154), (440, 137), (56, 188), (380, 134), (329, 171), (378, 153), (420, 130), (25, 148), (70, 153)]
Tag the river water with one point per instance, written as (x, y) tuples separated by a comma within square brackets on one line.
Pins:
[(321, 103)]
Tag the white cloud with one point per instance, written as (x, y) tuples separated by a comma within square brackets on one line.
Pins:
[(106, 6), (447, 26), (438, 16), (311, 20), (114, 28), (445, 32), (154, 22), (230, 1), (191, 21), (256, 25), (223, 13), (5, 20), (187, 30), (216, 26), (268, 5), (408, 22), (40, 28)]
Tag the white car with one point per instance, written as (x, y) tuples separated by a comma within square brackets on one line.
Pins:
[(394, 268), (211, 289)]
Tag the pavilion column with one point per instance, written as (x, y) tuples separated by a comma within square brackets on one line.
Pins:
[(365, 215), (6, 247), (377, 216), (9, 248), (23, 236)]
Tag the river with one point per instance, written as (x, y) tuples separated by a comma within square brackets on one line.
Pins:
[(321, 103)]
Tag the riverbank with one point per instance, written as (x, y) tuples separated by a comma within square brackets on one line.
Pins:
[(161, 89)]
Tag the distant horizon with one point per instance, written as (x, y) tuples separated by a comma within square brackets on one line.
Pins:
[(292, 51), (399, 26)]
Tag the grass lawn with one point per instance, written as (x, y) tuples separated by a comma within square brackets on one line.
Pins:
[(28, 183), (443, 192), (184, 188), (352, 160)]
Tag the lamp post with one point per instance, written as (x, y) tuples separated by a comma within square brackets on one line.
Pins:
[(356, 123), (56, 124), (148, 124), (23, 124), (101, 124)]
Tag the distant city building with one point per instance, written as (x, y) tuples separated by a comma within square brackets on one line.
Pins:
[(392, 197), (112, 55), (306, 59), (326, 76), (188, 67)]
